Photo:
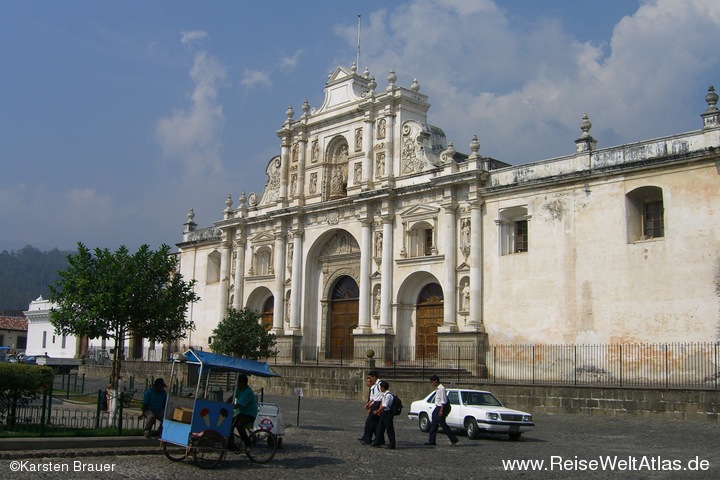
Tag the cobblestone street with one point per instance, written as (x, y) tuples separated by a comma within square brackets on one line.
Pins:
[(325, 446)]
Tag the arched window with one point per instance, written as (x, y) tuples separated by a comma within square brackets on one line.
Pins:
[(263, 258), (213, 267), (645, 214), (421, 240), (513, 230)]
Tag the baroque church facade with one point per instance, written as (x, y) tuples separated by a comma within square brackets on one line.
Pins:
[(374, 232)]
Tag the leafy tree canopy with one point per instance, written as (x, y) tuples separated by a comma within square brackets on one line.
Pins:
[(241, 334), (110, 295)]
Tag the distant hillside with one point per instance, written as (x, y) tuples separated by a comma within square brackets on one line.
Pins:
[(25, 275)]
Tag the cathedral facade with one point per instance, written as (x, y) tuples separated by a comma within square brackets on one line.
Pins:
[(374, 232)]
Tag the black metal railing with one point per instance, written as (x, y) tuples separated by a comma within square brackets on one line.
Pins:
[(664, 365)]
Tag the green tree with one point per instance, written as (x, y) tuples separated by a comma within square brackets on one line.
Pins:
[(111, 295), (241, 334), (19, 384)]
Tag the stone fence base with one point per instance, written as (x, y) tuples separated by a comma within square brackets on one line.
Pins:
[(349, 383)]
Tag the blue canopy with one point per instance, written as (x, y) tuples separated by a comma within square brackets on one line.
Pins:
[(230, 364)]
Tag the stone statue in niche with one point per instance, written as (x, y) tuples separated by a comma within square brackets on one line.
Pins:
[(358, 139), (358, 173), (376, 302), (293, 184), (378, 244), (314, 152), (381, 128), (380, 165), (313, 183), (465, 232)]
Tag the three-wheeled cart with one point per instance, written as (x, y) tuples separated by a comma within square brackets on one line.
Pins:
[(200, 425)]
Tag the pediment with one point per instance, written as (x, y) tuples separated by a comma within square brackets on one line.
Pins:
[(420, 211), (262, 238), (340, 73), (344, 87)]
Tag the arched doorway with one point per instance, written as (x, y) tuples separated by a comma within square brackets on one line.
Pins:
[(267, 313), (343, 317), (429, 315)]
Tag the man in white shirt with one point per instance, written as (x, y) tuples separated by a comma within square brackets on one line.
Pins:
[(371, 406), (385, 414), (442, 409)]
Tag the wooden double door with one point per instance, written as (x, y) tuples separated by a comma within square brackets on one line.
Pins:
[(344, 306), (429, 316)]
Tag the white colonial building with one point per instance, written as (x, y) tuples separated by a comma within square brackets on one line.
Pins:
[(374, 232)]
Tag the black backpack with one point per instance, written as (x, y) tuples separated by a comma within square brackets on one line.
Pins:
[(397, 406)]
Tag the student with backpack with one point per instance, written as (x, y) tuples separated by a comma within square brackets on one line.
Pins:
[(387, 415)]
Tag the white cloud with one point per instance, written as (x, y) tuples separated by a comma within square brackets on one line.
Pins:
[(290, 63), (192, 37), (255, 78), (524, 91), (192, 135)]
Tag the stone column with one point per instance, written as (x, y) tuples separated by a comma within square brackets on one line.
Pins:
[(386, 289), (279, 290), (367, 163), (302, 145), (366, 253), (450, 284), (296, 284), (239, 281), (225, 258), (389, 142), (475, 321)]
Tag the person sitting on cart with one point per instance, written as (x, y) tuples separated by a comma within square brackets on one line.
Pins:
[(153, 406), (246, 409)]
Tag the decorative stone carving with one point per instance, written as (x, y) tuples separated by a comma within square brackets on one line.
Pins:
[(381, 125), (380, 165), (314, 151), (313, 183), (358, 139)]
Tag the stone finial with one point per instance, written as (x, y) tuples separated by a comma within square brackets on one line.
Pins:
[(289, 112), (372, 85), (354, 68), (711, 117), (366, 73), (586, 143), (190, 224), (243, 199), (305, 108), (228, 206), (415, 87), (392, 78), (585, 126), (711, 98), (474, 147)]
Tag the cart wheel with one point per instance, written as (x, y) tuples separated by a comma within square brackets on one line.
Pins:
[(174, 452), (209, 450), (263, 445)]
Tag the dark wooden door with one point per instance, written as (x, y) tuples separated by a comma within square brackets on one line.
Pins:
[(429, 316), (343, 318)]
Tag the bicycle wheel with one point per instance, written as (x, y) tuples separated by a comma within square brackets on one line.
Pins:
[(209, 450), (174, 452), (263, 445)]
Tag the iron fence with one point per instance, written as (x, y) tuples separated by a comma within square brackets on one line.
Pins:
[(664, 365), (43, 416)]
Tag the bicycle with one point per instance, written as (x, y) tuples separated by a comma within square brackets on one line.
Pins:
[(208, 448)]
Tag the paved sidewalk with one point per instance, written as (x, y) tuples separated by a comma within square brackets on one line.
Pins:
[(324, 445)]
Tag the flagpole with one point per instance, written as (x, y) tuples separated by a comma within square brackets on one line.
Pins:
[(357, 62)]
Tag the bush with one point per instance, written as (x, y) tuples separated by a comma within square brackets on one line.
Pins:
[(20, 384)]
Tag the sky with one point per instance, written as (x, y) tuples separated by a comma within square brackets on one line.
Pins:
[(117, 118)]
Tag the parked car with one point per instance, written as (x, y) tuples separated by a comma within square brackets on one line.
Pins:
[(473, 411)]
